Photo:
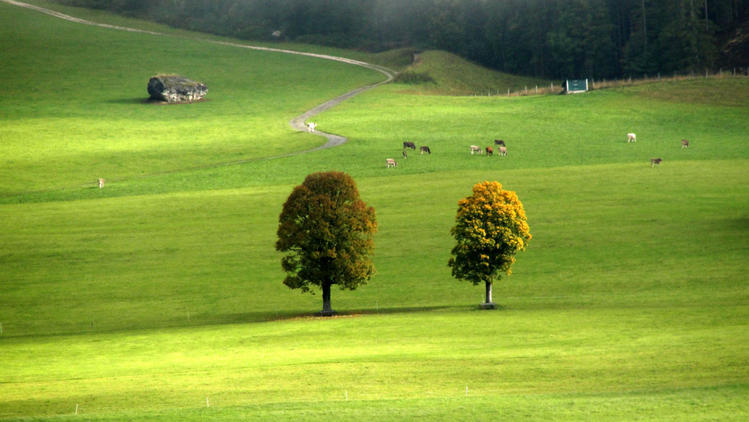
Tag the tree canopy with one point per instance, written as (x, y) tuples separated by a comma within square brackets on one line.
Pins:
[(326, 232), (490, 228)]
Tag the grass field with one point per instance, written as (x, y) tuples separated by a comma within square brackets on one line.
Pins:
[(449, 74), (160, 297)]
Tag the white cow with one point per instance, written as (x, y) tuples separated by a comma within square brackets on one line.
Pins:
[(502, 150), (391, 162), (311, 126), (476, 148), (631, 137), (101, 183)]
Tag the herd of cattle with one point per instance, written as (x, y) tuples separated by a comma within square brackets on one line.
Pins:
[(424, 149), (502, 150)]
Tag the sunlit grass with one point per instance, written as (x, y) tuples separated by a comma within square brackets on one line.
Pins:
[(159, 297)]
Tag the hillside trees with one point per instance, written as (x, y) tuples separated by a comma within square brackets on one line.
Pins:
[(543, 38), (326, 232), (490, 228), (670, 36)]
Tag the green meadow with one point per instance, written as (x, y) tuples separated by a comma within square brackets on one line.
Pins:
[(160, 296)]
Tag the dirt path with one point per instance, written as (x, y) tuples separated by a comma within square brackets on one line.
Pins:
[(297, 123)]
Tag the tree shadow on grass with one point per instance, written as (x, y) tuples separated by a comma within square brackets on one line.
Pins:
[(138, 100), (206, 320), (352, 313)]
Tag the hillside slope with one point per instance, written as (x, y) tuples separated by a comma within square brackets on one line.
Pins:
[(440, 72)]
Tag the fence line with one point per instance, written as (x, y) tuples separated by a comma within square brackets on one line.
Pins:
[(556, 88)]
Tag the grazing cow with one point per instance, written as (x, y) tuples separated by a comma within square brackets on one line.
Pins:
[(101, 183), (684, 144), (390, 162), (631, 137), (476, 148), (409, 145), (502, 150), (426, 149), (405, 154), (311, 126), (499, 142), (655, 161), (489, 151)]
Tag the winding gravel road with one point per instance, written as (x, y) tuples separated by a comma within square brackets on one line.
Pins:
[(297, 123)]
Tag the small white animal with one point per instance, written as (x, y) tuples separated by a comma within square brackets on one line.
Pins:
[(502, 150), (476, 148), (631, 137), (391, 162), (101, 183), (311, 126)]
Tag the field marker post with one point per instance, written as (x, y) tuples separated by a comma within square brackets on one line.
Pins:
[(1, 328), (466, 390), (346, 391), (76, 408), (207, 403)]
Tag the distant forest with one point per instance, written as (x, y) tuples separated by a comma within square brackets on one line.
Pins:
[(542, 38)]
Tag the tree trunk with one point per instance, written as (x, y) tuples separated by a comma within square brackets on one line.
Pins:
[(488, 304), (327, 310)]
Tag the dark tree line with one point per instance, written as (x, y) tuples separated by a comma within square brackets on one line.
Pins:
[(543, 38)]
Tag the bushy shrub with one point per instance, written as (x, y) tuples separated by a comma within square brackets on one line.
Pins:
[(413, 78)]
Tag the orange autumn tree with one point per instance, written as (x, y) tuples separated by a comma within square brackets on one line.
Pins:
[(326, 233), (490, 228)]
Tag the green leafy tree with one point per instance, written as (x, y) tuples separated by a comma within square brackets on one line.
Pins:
[(326, 233), (490, 228)]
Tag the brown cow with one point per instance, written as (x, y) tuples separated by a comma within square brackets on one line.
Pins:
[(424, 149), (409, 145), (655, 161), (489, 151), (684, 143)]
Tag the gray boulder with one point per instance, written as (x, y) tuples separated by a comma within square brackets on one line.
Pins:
[(175, 89)]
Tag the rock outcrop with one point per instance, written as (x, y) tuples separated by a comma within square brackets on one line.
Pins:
[(175, 89)]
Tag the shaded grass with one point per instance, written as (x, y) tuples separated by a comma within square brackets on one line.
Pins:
[(444, 73), (697, 91), (575, 353)]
